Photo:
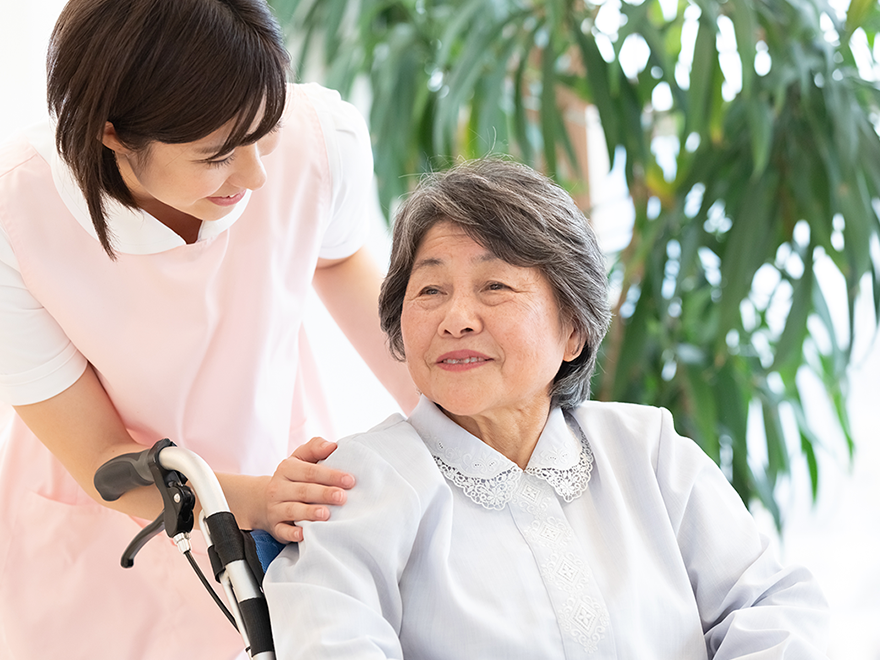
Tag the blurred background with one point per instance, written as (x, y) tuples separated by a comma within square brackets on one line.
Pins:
[(728, 156)]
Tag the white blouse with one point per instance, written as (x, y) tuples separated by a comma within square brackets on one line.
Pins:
[(620, 539)]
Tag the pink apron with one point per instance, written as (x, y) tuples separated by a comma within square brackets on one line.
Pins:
[(201, 344)]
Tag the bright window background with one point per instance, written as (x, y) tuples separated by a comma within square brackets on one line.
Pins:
[(838, 538)]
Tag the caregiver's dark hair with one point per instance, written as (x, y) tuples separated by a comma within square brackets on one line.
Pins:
[(170, 71), (525, 219)]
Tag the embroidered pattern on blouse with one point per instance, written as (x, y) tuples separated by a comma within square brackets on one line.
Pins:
[(494, 491), (483, 462), (582, 617), (586, 620), (549, 533), (572, 482), (532, 496)]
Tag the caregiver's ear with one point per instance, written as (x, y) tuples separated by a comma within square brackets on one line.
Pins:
[(111, 140)]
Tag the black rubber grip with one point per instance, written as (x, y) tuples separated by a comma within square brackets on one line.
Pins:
[(122, 474), (226, 538), (255, 615)]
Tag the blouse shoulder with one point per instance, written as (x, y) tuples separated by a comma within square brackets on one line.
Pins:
[(636, 426), (393, 446), (624, 435)]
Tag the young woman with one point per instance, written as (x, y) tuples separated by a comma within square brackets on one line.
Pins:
[(156, 248)]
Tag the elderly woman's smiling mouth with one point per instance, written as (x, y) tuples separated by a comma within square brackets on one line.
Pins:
[(462, 360)]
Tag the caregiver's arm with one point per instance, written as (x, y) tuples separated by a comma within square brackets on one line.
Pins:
[(349, 289), (81, 427), (750, 605)]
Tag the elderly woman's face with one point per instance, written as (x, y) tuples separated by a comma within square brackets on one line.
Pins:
[(482, 337)]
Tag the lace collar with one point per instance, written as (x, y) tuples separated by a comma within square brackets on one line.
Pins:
[(562, 457)]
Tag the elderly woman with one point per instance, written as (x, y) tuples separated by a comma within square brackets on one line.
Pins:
[(507, 517)]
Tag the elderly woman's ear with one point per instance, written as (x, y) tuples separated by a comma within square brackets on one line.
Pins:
[(575, 344)]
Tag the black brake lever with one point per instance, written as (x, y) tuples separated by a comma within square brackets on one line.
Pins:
[(123, 473)]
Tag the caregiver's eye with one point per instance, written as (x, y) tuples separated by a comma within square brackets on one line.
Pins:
[(220, 162)]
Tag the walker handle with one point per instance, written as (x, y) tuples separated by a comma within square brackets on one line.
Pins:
[(127, 472)]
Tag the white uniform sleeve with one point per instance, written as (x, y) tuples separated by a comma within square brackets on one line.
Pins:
[(336, 595), (750, 605), (37, 360), (350, 159)]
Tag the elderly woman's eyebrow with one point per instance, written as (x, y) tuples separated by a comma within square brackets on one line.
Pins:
[(426, 263), (429, 262)]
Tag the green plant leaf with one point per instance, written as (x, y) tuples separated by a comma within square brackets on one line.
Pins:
[(856, 15), (761, 125), (748, 246), (791, 341), (550, 120), (703, 76), (702, 408), (745, 27)]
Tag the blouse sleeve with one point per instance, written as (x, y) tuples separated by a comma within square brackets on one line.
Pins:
[(336, 594), (750, 605)]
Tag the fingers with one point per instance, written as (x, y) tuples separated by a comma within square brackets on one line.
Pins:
[(300, 501), (302, 490), (287, 533), (316, 449), (298, 469), (283, 514)]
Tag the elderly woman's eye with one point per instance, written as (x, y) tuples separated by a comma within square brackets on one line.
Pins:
[(496, 286), (429, 291)]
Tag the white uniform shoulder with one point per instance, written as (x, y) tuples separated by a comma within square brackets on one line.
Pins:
[(37, 360), (350, 160)]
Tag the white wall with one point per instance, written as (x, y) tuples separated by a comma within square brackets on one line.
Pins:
[(838, 538)]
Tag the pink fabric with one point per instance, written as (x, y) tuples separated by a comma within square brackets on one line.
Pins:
[(200, 344)]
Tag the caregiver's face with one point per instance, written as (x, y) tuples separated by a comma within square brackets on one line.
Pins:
[(190, 178), (482, 338)]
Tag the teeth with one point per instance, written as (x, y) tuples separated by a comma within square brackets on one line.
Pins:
[(465, 361)]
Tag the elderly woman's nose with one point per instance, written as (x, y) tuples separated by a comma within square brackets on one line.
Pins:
[(461, 316)]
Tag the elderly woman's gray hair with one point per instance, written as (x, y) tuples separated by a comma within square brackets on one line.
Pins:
[(525, 219)]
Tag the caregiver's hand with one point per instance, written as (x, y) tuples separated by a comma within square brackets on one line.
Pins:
[(300, 490)]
